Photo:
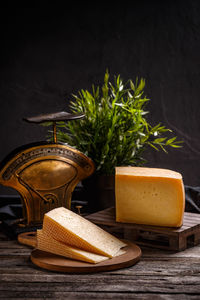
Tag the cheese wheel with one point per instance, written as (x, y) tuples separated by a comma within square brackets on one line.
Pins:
[(48, 244), (70, 228), (149, 196)]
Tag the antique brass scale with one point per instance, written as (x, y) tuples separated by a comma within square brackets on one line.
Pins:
[(45, 173)]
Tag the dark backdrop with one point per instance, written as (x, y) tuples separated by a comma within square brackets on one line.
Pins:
[(48, 53)]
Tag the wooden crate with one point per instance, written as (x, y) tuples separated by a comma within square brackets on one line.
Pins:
[(188, 235)]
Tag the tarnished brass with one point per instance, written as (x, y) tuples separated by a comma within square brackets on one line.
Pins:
[(54, 133), (45, 175), (79, 208)]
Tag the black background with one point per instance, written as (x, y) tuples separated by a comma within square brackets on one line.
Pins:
[(49, 52)]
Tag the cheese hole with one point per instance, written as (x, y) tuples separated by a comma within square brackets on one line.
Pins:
[(155, 194)]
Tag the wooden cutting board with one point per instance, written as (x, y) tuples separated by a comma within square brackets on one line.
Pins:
[(54, 262), (58, 263)]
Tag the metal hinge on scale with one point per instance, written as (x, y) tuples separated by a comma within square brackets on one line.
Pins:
[(45, 173)]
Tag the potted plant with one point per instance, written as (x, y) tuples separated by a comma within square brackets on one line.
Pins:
[(115, 130)]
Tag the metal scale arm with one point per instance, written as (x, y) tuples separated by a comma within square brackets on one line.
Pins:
[(54, 117)]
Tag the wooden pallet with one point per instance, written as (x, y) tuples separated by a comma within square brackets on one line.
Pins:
[(188, 235)]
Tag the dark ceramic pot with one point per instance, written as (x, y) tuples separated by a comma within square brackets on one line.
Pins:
[(99, 191)]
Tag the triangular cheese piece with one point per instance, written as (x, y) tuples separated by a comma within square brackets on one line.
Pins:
[(70, 228), (48, 244)]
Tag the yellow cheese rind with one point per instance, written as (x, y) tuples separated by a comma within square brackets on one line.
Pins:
[(67, 227), (147, 172), (48, 244), (149, 196)]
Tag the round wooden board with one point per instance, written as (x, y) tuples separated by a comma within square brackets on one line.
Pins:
[(54, 262), (28, 238)]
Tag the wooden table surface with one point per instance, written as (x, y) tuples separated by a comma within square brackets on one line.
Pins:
[(160, 274)]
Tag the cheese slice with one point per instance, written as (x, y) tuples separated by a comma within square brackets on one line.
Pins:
[(149, 196), (70, 228), (48, 244)]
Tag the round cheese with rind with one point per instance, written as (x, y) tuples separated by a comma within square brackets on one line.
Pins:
[(149, 196)]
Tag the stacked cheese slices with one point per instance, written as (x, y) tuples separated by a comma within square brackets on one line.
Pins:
[(68, 234)]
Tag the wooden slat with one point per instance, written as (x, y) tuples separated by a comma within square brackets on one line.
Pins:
[(100, 218), (102, 284), (109, 215), (178, 238), (101, 295), (158, 275)]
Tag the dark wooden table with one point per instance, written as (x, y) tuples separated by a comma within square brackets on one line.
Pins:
[(160, 274)]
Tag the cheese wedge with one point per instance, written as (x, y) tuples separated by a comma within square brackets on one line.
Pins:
[(72, 229), (149, 196), (48, 244)]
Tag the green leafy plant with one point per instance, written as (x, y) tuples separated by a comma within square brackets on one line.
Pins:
[(115, 130)]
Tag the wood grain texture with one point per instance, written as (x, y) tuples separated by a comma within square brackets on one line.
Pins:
[(160, 274), (62, 264), (28, 238), (154, 236)]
